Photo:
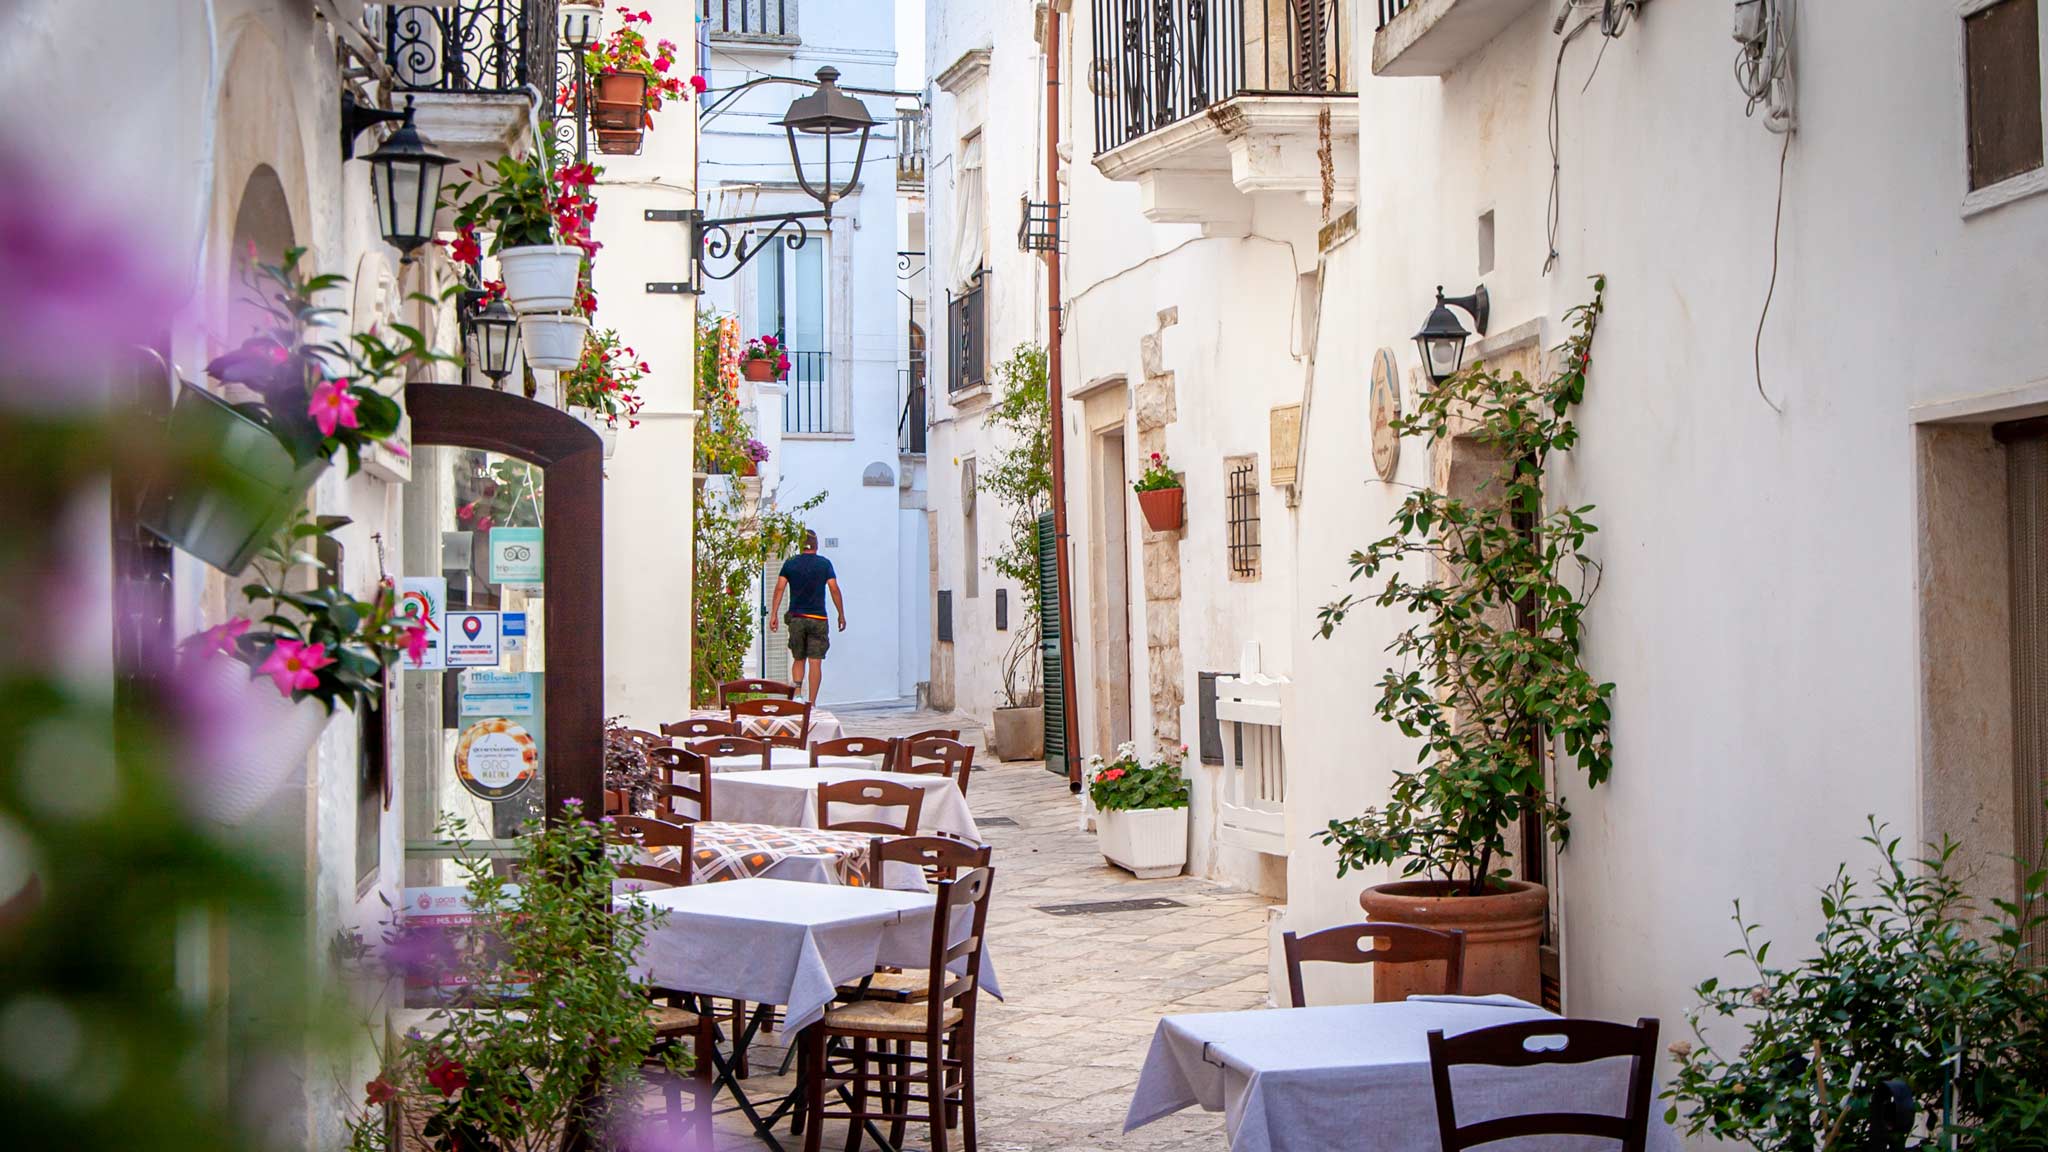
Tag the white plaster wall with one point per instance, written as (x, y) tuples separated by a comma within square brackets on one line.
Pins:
[(747, 172), (648, 493), (1758, 603)]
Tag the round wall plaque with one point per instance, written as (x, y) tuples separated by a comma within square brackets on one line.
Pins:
[(1384, 408), (496, 759)]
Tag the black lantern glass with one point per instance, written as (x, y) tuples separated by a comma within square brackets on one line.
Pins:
[(405, 173), (1442, 338), (496, 329), (826, 111)]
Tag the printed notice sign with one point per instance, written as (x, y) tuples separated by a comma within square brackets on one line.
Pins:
[(515, 557), (487, 693), (425, 600), (496, 759), (472, 639)]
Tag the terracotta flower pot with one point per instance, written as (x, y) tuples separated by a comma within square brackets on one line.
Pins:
[(1020, 733), (618, 141), (759, 371), (621, 103), (1163, 508), (1501, 934), (751, 468)]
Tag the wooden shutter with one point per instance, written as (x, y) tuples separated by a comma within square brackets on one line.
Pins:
[(2027, 477), (1053, 676), (775, 653)]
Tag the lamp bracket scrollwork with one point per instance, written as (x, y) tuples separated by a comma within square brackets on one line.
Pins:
[(731, 241)]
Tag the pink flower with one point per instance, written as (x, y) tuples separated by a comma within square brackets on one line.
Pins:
[(662, 64), (221, 639), (698, 83), (333, 406), (292, 666), (415, 643)]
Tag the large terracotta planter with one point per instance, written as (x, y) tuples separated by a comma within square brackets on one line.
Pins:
[(1149, 843), (1020, 733), (1501, 934), (759, 371), (1163, 508), (621, 101)]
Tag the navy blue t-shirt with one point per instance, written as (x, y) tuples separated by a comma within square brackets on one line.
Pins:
[(807, 573)]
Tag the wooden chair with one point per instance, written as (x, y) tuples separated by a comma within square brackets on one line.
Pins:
[(936, 754), (674, 1022), (753, 687), (878, 1042), (903, 743), (858, 746), (1377, 944), (1506, 1046), (730, 746), (942, 859), (685, 778), (871, 794), (699, 727), (784, 722), (648, 834)]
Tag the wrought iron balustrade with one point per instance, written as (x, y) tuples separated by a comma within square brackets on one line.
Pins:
[(471, 46), (913, 423), (964, 328), (808, 405), (764, 19), (1158, 62), (1390, 9)]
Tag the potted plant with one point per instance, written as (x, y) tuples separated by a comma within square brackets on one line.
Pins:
[(543, 1042), (1020, 718), (632, 82), (757, 455), (251, 462), (631, 782), (552, 341), (538, 213), (1914, 995), (1493, 674), (1159, 495), (603, 387), (764, 359), (1141, 811)]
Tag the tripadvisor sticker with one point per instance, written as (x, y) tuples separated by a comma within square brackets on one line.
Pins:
[(496, 759)]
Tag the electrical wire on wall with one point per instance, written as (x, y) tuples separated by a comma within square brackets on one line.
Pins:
[(1763, 71), (1614, 18)]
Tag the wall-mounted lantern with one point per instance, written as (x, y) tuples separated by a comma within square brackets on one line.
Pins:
[(1442, 339), (405, 173)]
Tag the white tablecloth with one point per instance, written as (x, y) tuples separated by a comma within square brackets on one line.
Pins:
[(781, 757), (782, 942), (1355, 1077), (789, 797)]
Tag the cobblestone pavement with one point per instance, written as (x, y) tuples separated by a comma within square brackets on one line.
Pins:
[(1056, 1062)]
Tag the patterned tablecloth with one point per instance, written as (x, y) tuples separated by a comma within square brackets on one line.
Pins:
[(824, 725), (726, 851)]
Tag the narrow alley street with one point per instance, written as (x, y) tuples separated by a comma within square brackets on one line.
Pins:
[(1057, 1059)]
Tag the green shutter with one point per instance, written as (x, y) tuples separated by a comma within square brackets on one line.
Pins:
[(1053, 676)]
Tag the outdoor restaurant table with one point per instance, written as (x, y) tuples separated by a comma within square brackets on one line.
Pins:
[(789, 797), (784, 757), (824, 725), (1355, 1077), (724, 851)]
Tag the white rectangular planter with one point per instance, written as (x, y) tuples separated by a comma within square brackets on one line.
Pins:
[(1149, 843)]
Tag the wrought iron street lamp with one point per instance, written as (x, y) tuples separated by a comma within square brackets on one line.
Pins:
[(496, 331), (405, 173), (582, 27), (1442, 339), (829, 113)]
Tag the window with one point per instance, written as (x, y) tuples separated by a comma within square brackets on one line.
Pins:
[(789, 301), (1241, 522), (2002, 82), (970, 214), (1486, 242), (749, 19)]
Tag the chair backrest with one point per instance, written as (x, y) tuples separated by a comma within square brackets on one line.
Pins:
[(685, 778), (645, 739), (648, 834), (733, 690), (941, 857), (698, 727), (903, 743), (1508, 1046), (778, 721), (871, 794), (730, 746), (1371, 943), (883, 747), (952, 989), (937, 755)]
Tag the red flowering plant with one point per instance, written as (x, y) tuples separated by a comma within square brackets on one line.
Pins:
[(522, 201), (1157, 475), (606, 380), (767, 348), (626, 50), (1128, 782), (552, 1030)]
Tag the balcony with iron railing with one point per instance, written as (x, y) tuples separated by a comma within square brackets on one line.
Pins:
[(965, 330), (809, 407), (759, 21), (471, 67), (1432, 37), (1193, 97), (914, 420)]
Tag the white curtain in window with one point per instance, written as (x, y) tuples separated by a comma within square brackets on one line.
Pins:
[(969, 208)]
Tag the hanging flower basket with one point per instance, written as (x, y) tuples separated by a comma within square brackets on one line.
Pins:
[(621, 101), (1163, 507), (225, 517), (541, 277), (605, 432), (260, 736), (618, 142), (553, 342)]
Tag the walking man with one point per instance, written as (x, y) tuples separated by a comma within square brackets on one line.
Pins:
[(806, 576)]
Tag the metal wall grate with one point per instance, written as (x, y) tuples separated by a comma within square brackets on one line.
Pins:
[(1242, 517), (1093, 907), (944, 617)]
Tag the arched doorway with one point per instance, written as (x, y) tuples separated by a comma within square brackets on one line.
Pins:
[(263, 234)]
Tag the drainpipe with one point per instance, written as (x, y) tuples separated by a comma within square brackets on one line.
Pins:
[(1055, 395)]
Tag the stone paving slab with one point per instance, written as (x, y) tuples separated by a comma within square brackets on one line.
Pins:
[(1056, 1063)]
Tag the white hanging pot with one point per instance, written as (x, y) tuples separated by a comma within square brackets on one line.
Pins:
[(541, 277), (605, 432), (254, 738), (552, 341)]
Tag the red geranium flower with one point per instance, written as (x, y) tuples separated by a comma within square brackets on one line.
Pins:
[(379, 1091), (447, 1076)]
